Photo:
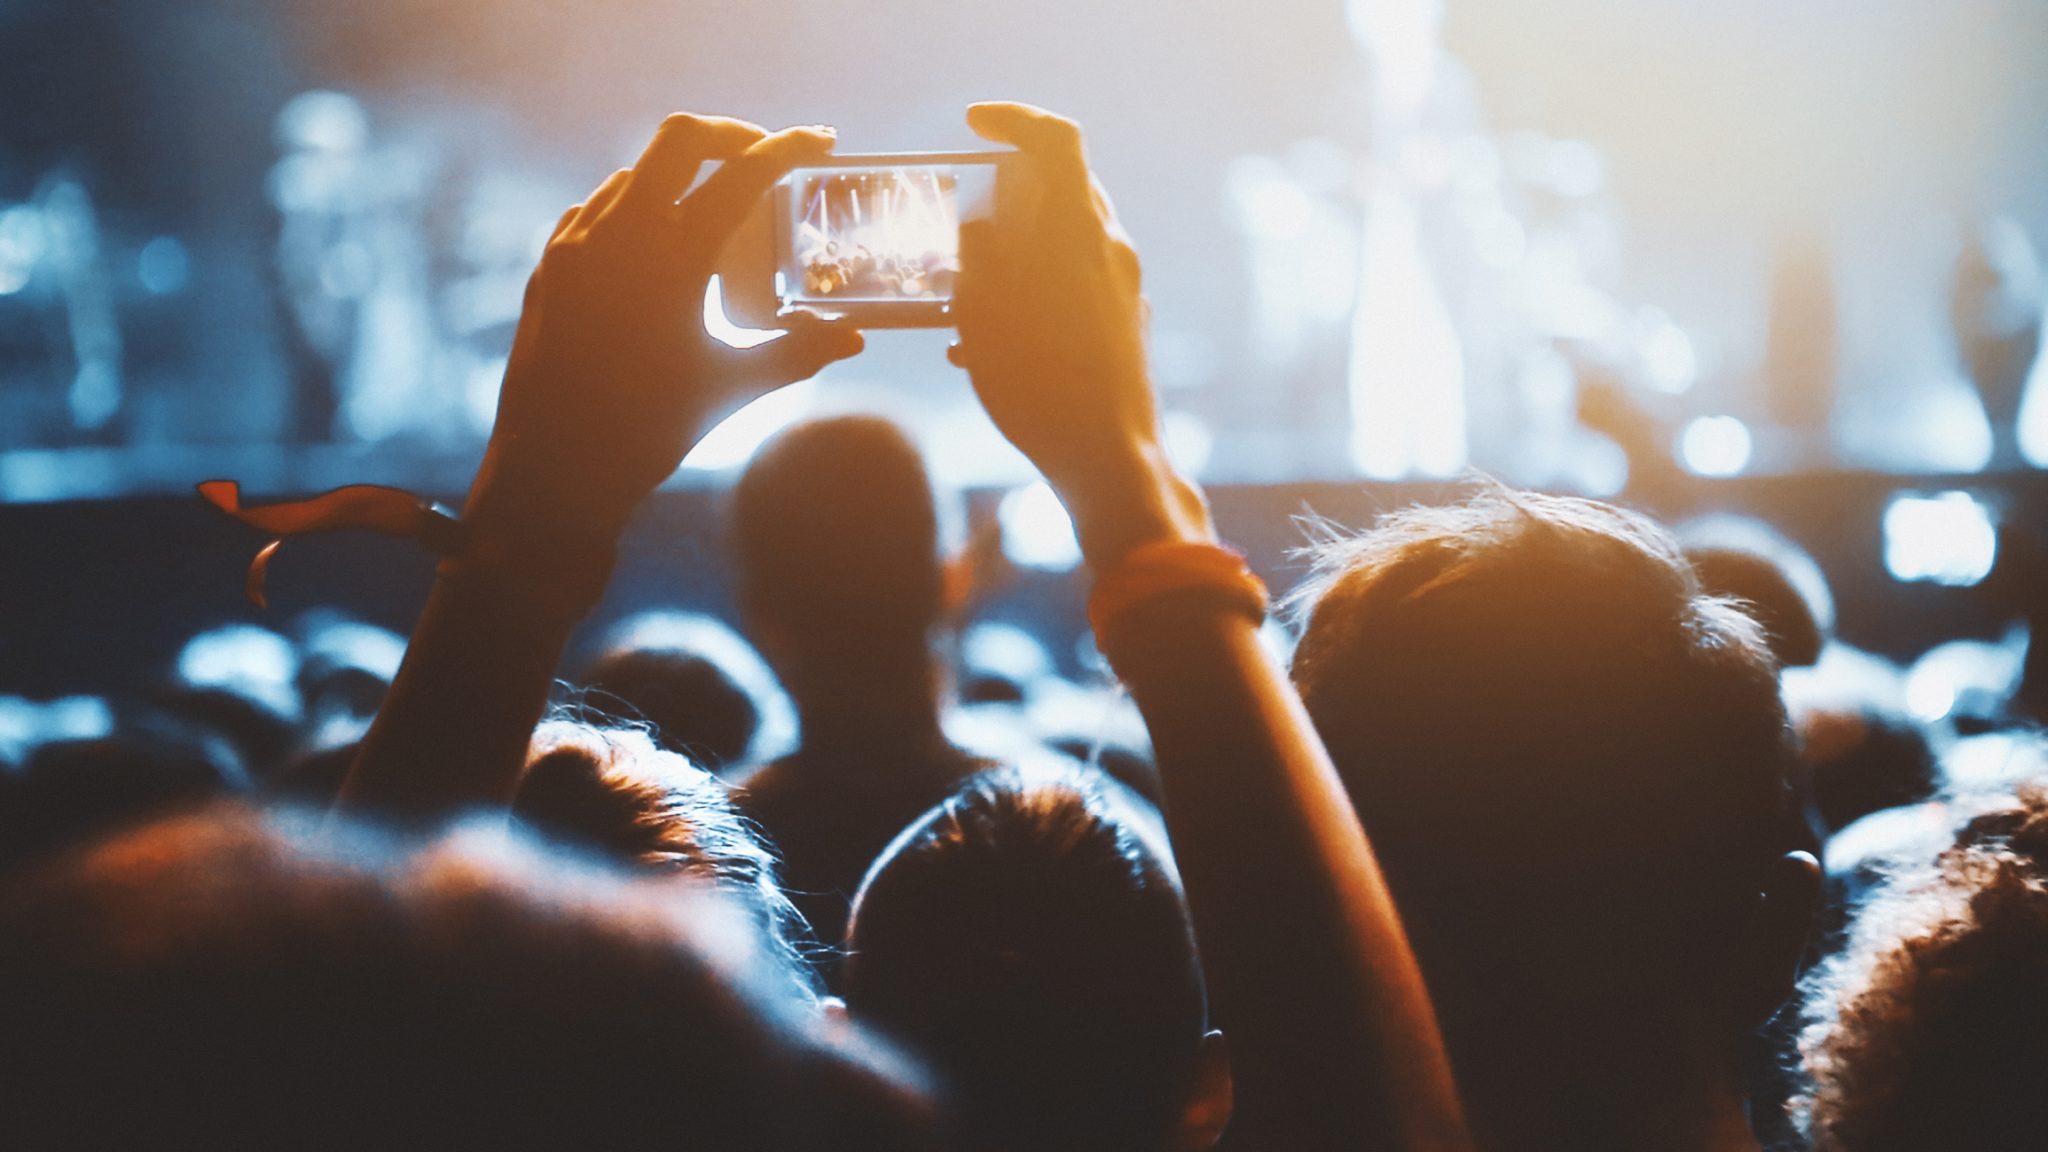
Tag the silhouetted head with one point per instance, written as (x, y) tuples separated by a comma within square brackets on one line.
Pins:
[(836, 536), (1573, 766), (261, 737), (694, 706), (237, 980), (1767, 594), (1029, 937), (1864, 760), (1925, 1030), (70, 792), (614, 793), (346, 668)]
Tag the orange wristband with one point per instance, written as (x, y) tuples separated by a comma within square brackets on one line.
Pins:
[(1164, 568)]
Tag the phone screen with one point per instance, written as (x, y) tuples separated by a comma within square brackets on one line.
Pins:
[(861, 237)]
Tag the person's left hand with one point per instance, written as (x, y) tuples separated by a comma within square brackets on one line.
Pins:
[(612, 376)]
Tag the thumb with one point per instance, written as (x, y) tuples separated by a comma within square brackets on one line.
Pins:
[(801, 352)]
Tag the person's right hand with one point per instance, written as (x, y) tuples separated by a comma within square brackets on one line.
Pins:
[(1052, 332)]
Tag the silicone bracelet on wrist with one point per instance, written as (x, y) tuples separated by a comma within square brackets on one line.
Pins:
[(1174, 567)]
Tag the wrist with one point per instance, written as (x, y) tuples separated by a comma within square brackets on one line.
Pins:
[(517, 495), (1131, 498), (526, 543), (534, 578)]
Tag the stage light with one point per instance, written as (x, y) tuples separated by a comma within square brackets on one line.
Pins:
[(1947, 538), (1037, 532), (1715, 446), (1189, 443), (246, 660), (1670, 363), (21, 245), (162, 266), (1964, 678), (26, 725)]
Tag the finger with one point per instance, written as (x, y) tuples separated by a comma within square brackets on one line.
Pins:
[(981, 272), (567, 219), (1121, 248), (607, 194), (980, 252), (1052, 142), (1126, 256), (677, 153), (714, 211), (808, 345)]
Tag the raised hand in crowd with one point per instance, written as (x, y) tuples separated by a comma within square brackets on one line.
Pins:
[(611, 380), (1332, 1034)]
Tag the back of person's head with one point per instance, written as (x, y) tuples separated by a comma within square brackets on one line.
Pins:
[(1028, 936), (70, 792), (1573, 766), (1925, 1030), (237, 980), (696, 708), (346, 666), (613, 792), (1865, 760), (1764, 590), (262, 738), (835, 531), (1781, 585)]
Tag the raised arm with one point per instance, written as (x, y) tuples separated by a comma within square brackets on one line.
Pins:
[(1333, 1040), (612, 378)]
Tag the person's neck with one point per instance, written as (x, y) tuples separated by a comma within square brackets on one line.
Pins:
[(1715, 1120), (1666, 1098), (1690, 1122), (879, 711)]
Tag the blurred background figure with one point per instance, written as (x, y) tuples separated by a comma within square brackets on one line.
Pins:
[(352, 274), (1996, 305), (701, 688), (835, 535)]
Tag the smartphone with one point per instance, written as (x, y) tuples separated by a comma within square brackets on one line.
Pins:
[(872, 239)]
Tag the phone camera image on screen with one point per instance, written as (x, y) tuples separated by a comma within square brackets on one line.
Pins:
[(878, 236)]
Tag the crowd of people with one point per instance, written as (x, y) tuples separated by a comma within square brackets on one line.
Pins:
[(1560, 829)]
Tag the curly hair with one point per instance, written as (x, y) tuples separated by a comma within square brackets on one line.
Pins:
[(1926, 1030)]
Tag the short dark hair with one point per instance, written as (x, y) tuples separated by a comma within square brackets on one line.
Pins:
[(240, 979), (71, 792), (1029, 937), (835, 530), (694, 706), (1573, 765)]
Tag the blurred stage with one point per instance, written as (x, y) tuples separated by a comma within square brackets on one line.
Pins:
[(1735, 256)]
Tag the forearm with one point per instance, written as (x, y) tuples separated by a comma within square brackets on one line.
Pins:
[(454, 729), (1334, 1041), (1332, 1034)]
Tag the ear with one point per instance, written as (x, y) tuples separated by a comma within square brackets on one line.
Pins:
[(1211, 1098), (1776, 938)]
